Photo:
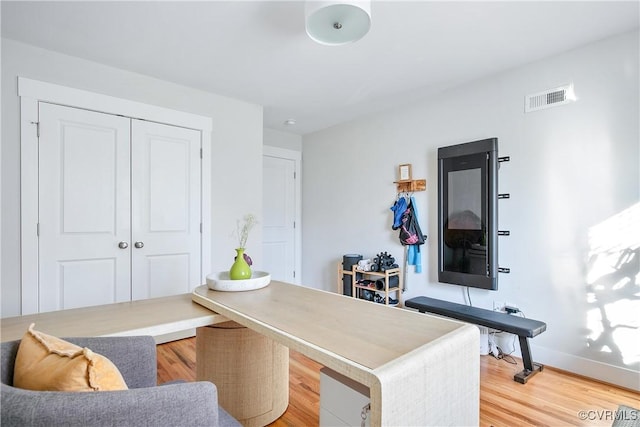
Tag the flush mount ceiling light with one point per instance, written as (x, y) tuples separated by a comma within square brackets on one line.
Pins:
[(337, 22)]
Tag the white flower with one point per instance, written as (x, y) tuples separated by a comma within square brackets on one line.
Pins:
[(242, 230)]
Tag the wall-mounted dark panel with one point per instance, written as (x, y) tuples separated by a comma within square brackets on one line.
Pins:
[(468, 214)]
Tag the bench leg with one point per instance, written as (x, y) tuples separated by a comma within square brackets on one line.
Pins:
[(530, 368)]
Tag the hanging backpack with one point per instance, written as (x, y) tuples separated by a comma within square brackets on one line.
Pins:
[(410, 232)]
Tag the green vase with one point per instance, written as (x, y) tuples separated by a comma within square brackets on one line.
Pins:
[(240, 269)]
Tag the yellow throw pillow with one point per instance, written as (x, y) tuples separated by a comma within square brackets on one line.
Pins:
[(47, 363)]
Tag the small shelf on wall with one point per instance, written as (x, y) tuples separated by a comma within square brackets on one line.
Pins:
[(411, 185), (406, 183)]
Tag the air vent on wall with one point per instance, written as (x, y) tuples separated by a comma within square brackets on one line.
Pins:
[(549, 98)]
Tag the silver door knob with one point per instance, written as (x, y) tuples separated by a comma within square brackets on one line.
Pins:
[(123, 245), (139, 245)]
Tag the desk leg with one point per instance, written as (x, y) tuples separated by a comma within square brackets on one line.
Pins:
[(250, 371)]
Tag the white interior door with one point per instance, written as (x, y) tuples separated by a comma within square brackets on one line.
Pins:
[(83, 214), (165, 209), (278, 224)]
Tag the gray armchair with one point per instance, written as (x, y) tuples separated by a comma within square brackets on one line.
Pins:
[(175, 404)]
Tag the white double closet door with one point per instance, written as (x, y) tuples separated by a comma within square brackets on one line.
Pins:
[(119, 208)]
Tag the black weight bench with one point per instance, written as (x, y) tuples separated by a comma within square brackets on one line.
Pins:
[(523, 328)]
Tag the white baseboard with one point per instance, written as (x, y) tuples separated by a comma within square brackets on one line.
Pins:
[(617, 375)]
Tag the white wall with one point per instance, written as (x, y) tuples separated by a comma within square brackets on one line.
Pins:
[(572, 167), (280, 139), (236, 147)]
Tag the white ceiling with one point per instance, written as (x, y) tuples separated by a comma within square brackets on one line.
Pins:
[(258, 51)]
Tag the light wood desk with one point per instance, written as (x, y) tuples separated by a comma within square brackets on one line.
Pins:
[(156, 317), (420, 370)]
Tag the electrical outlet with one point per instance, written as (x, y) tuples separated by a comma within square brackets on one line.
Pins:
[(499, 306), (505, 307), (511, 309)]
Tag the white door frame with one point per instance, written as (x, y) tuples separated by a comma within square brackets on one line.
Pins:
[(296, 157), (31, 92)]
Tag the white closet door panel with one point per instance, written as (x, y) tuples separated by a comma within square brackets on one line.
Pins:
[(165, 209), (88, 282), (89, 159), (165, 271), (168, 163), (278, 240), (84, 208)]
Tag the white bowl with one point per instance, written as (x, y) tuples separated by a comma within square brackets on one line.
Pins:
[(221, 282)]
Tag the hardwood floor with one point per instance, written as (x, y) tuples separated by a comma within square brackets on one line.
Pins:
[(551, 398)]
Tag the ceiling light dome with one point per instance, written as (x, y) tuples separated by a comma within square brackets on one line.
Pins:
[(337, 22)]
